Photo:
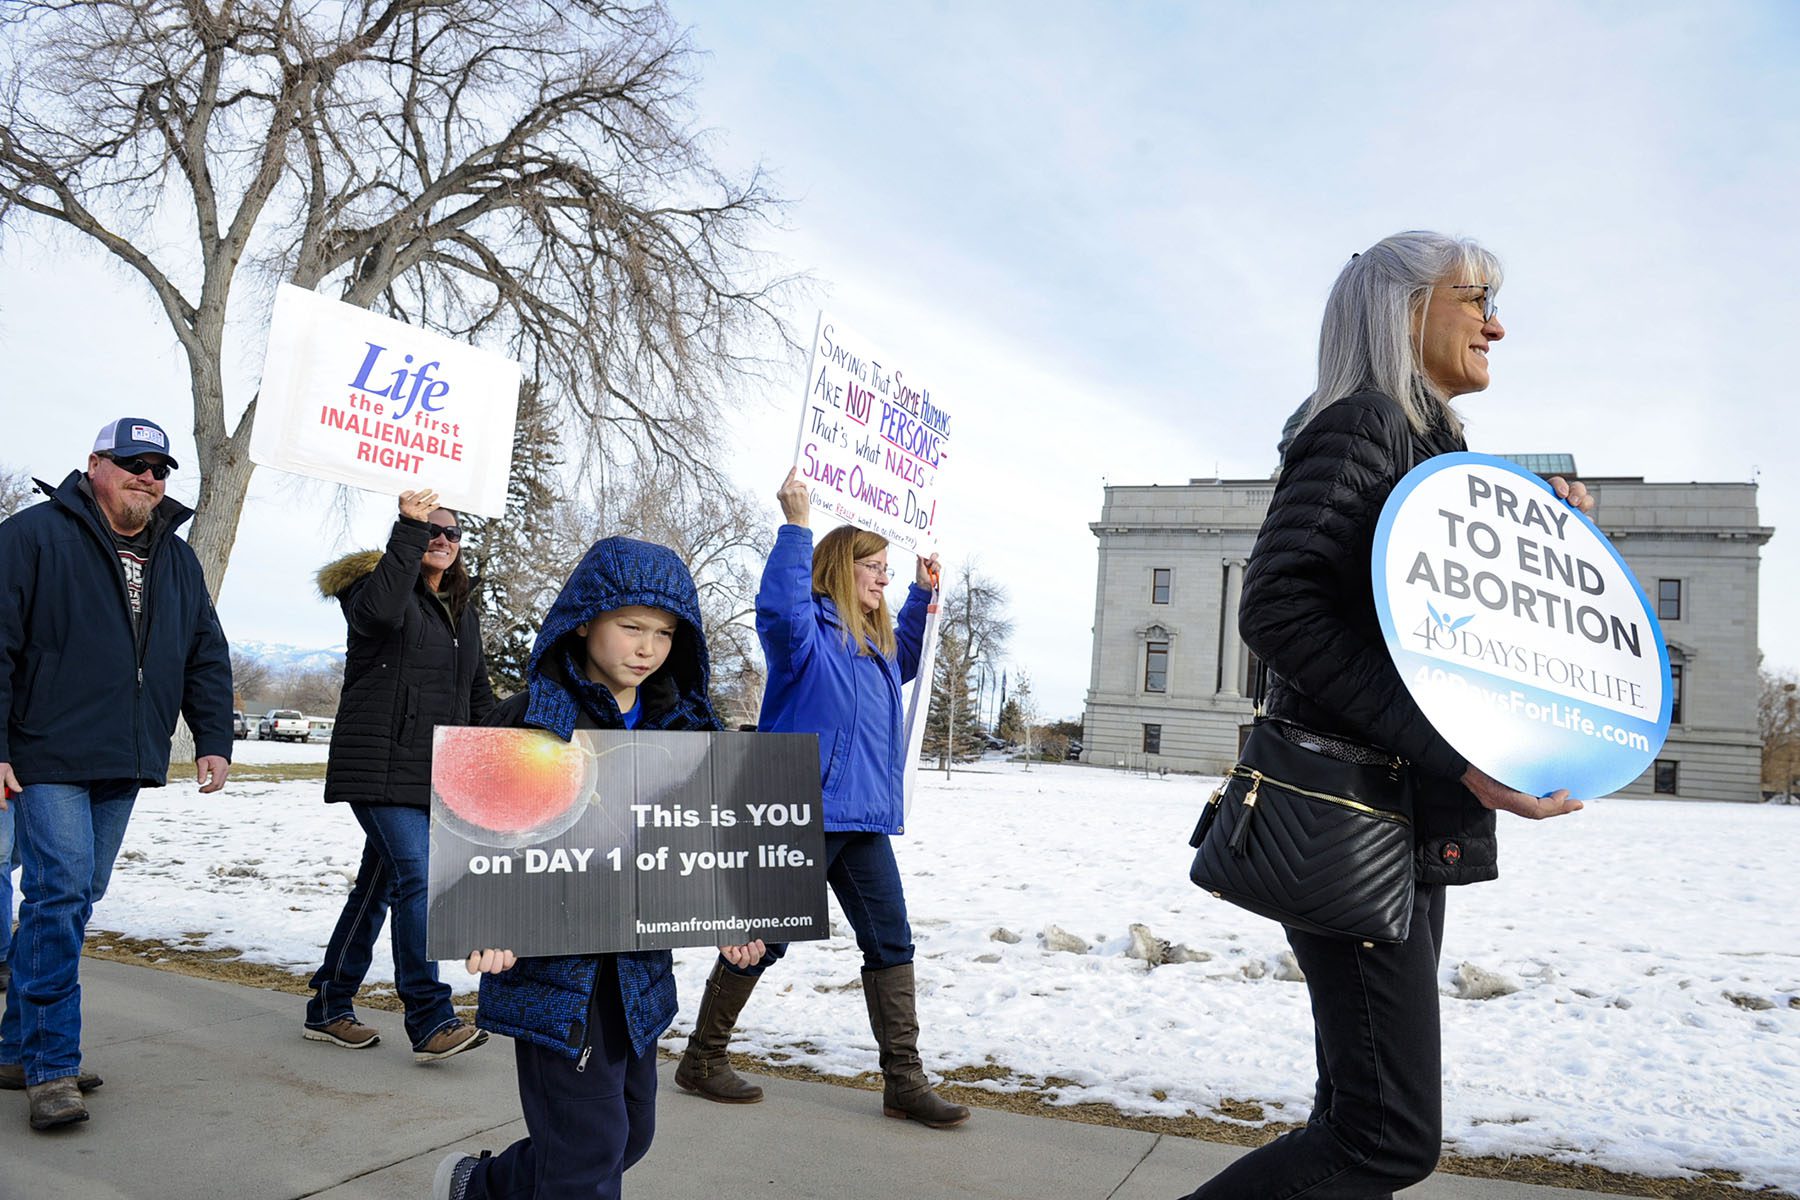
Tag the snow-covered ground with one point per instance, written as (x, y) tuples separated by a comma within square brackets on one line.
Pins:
[(1655, 1027)]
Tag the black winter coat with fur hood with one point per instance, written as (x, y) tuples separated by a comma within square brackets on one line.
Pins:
[(407, 670), (1308, 611)]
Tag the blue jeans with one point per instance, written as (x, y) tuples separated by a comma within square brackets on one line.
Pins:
[(864, 877), (68, 835), (393, 873)]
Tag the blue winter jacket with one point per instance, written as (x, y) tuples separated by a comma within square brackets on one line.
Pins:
[(818, 683), (545, 1000), (83, 697)]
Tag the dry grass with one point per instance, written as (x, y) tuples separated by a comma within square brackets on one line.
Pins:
[(1030, 1099)]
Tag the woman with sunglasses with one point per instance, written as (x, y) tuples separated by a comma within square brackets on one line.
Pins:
[(1408, 328), (836, 663), (413, 662)]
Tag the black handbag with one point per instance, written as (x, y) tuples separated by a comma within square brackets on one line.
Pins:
[(1313, 831)]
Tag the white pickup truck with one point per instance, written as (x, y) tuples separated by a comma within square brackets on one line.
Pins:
[(284, 725)]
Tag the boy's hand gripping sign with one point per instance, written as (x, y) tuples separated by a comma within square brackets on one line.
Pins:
[(1519, 630), (357, 398), (874, 439)]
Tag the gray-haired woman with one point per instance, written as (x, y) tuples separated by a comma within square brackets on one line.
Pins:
[(1408, 327)]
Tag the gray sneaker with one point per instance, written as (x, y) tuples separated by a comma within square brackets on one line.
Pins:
[(452, 1179)]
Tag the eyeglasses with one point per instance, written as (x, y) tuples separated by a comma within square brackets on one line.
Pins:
[(1488, 307), (876, 568), (450, 533), (137, 466)]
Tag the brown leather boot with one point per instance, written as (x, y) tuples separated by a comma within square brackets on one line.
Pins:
[(56, 1102), (893, 1015), (705, 1067)]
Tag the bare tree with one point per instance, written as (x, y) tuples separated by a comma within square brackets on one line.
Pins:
[(1778, 718), (973, 628), (513, 172), (250, 677), (16, 491)]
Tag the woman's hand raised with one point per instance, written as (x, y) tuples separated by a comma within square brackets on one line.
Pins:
[(1497, 796), (795, 498), (927, 572), (417, 506)]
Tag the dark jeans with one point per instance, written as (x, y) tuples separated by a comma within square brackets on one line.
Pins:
[(393, 872), (69, 835), (586, 1122), (861, 870), (1377, 1116)]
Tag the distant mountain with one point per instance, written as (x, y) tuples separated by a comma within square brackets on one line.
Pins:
[(287, 658)]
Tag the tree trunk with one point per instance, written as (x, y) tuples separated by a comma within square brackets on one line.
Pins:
[(214, 529)]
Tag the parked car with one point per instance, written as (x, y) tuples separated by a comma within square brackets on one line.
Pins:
[(319, 728), (284, 725), (240, 725), (1073, 754)]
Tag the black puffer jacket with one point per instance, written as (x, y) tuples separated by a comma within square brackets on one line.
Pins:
[(1309, 612), (406, 671)]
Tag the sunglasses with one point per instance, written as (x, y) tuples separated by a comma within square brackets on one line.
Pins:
[(1488, 305), (137, 466), (450, 533)]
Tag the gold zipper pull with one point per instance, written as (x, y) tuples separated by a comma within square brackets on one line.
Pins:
[(1241, 835), (1250, 796)]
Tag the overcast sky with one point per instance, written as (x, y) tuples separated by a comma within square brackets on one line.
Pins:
[(1108, 230)]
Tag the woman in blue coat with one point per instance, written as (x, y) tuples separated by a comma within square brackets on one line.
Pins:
[(836, 665)]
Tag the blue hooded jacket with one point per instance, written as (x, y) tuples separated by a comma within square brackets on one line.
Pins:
[(545, 1000), (818, 683)]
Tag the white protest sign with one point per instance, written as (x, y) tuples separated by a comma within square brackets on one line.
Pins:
[(873, 439), (1518, 629), (354, 397)]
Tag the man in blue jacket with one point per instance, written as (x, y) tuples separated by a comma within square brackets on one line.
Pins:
[(106, 633)]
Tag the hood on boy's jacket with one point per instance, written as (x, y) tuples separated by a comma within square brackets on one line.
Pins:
[(615, 573)]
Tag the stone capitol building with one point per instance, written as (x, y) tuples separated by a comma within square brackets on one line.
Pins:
[(1171, 681)]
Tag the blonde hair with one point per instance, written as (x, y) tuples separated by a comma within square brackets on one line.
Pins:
[(834, 575)]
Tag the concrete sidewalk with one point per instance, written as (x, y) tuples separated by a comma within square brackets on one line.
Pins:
[(212, 1093)]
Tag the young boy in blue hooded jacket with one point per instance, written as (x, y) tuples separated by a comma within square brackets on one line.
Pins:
[(621, 648)]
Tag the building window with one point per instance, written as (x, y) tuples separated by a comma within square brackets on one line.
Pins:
[(1159, 585), (1668, 599), (1153, 739), (1156, 666), (1668, 775), (1676, 678)]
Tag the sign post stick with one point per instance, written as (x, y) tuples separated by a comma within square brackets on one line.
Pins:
[(920, 703)]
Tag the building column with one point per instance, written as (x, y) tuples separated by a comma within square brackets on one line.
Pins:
[(1230, 660)]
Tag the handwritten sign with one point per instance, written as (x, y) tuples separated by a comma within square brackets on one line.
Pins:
[(874, 439), (622, 840), (1518, 629), (353, 397)]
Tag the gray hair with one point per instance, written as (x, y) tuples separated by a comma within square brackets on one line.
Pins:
[(1367, 340)]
